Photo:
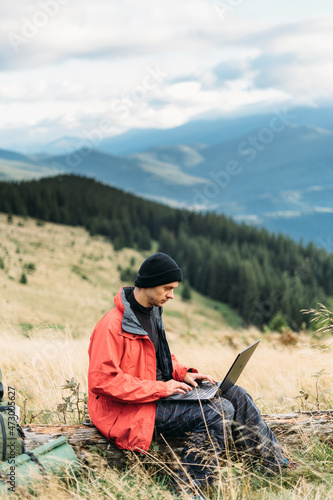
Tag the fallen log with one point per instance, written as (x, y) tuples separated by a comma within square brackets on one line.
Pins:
[(292, 430)]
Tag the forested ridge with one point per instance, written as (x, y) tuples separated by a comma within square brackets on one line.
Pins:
[(257, 273)]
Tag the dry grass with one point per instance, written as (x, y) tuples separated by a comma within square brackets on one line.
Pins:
[(39, 365), (45, 325), (44, 332), (74, 280), (275, 374)]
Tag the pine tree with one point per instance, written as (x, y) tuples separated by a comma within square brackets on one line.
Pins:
[(186, 291), (23, 279)]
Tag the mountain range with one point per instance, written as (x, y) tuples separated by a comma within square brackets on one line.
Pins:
[(273, 170)]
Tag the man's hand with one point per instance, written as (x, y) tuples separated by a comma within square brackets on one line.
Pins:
[(190, 378), (174, 387)]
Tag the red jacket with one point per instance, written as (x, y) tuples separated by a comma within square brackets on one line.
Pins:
[(122, 386)]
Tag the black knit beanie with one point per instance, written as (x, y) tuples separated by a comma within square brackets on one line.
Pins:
[(158, 269)]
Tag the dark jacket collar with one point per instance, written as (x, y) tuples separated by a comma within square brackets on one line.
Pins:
[(130, 323)]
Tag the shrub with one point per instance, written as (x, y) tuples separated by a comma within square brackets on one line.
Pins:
[(186, 291), (278, 323), (128, 274), (23, 279), (30, 267)]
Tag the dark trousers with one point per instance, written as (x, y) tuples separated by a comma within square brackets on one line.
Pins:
[(209, 426)]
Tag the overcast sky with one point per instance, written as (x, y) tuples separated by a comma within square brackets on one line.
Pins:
[(68, 67)]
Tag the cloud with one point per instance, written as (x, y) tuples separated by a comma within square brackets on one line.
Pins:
[(81, 29), (297, 59), (79, 63)]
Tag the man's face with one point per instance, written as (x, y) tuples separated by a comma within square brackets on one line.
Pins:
[(159, 295)]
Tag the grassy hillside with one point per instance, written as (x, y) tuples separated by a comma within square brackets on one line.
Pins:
[(72, 279), (258, 274), (45, 326)]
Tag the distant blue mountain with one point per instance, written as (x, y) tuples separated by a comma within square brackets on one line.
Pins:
[(211, 131), (271, 170), (205, 130), (13, 156)]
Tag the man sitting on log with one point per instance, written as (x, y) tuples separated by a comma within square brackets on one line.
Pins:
[(131, 372)]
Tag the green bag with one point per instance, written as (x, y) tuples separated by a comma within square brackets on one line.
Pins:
[(11, 434)]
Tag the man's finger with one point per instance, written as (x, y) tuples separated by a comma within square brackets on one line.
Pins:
[(212, 380), (184, 388)]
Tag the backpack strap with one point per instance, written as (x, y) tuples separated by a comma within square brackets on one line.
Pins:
[(1, 386), (37, 462), (20, 433)]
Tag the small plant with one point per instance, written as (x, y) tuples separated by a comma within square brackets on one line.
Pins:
[(307, 398), (317, 376), (75, 403), (28, 416)]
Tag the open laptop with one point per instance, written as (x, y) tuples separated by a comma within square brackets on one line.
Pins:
[(206, 390)]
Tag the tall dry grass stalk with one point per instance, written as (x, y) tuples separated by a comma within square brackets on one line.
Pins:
[(37, 366), (274, 375)]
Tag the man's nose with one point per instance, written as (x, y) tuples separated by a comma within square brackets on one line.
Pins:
[(170, 294)]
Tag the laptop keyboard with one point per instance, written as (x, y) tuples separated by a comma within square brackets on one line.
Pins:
[(205, 390)]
